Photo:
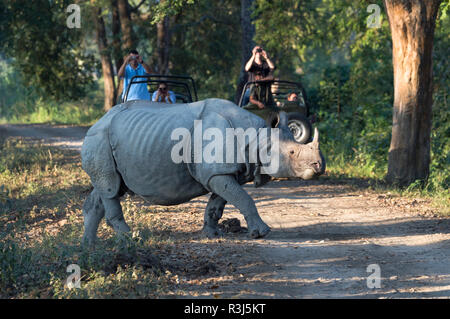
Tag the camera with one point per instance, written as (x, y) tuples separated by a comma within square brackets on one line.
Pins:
[(259, 50)]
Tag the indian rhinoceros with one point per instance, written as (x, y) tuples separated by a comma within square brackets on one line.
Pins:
[(131, 149)]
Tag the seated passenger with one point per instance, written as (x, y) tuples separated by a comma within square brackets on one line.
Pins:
[(261, 95), (163, 94), (292, 97), (295, 98), (255, 96)]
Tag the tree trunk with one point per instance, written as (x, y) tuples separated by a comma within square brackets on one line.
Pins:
[(247, 44), (116, 44), (107, 67), (163, 45), (125, 26), (116, 41), (412, 24)]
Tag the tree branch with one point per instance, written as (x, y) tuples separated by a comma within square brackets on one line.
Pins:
[(136, 8)]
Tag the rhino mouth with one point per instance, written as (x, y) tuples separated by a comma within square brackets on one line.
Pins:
[(318, 167), (313, 170), (308, 174)]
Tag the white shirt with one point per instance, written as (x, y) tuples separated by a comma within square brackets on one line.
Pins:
[(171, 97)]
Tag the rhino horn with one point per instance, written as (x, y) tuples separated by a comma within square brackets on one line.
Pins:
[(315, 140)]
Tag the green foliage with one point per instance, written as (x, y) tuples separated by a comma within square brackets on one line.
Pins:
[(20, 103), (12, 89), (162, 9), (347, 70), (49, 55), (439, 180), (207, 44)]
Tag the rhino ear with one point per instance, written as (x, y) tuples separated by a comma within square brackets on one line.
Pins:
[(277, 119), (273, 120)]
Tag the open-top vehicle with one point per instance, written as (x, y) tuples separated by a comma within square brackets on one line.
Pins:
[(276, 100), (182, 85)]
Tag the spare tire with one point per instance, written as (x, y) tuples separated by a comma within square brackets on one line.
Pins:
[(300, 127)]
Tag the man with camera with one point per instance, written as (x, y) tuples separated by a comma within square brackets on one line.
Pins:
[(163, 94), (134, 65), (260, 68)]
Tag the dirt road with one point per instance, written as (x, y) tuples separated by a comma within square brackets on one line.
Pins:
[(64, 136), (328, 239), (324, 237)]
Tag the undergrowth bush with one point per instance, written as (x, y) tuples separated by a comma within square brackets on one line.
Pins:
[(22, 104)]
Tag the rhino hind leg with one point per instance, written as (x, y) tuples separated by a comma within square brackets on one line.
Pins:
[(229, 189), (93, 212), (114, 214), (213, 212)]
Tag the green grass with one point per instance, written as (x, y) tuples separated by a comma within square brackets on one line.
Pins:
[(81, 112), (54, 113)]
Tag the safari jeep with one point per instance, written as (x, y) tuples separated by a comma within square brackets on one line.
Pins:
[(276, 100)]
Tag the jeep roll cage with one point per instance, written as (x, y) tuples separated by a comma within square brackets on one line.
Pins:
[(182, 85), (280, 90)]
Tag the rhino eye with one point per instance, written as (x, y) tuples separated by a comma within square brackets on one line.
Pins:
[(292, 152)]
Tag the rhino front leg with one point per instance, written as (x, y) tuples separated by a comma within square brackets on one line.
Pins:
[(93, 212), (229, 189), (213, 212), (114, 215)]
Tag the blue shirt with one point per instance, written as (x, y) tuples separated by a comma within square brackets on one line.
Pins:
[(137, 91), (171, 97)]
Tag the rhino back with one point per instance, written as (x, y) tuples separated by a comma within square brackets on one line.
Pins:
[(236, 116), (141, 142)]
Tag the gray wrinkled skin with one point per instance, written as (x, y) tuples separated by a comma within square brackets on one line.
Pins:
[(129, 150)]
